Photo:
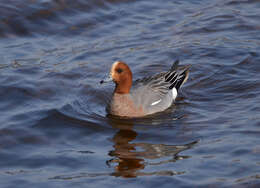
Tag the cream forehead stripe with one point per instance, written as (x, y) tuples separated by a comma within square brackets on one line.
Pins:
[(113, 67)]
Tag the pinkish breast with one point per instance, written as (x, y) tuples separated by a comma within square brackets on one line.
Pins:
[(122, 105)]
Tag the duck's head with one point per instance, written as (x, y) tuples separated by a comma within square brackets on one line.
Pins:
[(121, 75)]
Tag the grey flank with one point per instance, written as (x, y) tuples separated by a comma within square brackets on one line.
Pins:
[(154, 93)]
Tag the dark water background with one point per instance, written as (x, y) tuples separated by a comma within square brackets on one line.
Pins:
[(53, 126)]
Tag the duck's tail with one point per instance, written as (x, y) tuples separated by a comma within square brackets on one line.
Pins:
[(177, 75)]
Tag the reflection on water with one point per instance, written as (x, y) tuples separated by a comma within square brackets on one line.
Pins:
[(127, 161), (131, 157)]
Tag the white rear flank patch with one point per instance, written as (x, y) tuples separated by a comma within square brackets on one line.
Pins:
[(156, 102), (174, 93)]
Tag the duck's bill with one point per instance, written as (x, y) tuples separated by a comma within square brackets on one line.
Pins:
[(107, 79)]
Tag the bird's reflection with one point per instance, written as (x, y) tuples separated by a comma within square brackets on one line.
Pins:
[(129, 157), (126, 157)]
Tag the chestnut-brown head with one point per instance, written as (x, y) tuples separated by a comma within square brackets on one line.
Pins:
[(122, 76)]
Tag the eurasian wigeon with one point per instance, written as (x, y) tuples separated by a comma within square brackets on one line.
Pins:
[(147, 95)]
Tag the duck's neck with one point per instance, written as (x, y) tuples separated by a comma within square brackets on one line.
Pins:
[(123, 87)]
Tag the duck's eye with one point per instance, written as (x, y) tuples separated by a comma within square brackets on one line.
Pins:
[(119, 70)]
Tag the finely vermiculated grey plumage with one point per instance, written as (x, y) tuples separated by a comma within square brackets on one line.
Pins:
[(156, 93)]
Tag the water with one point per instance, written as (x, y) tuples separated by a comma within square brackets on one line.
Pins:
[(54, 130)]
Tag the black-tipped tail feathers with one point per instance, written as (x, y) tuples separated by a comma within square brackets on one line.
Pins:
[(165, 81), (177, 75)]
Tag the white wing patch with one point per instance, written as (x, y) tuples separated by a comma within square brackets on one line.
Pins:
[(156, 102), (174, 95)]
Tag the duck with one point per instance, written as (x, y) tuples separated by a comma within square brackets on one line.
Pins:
[(145, 96)]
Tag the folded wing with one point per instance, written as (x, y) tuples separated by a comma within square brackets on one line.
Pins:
[(155, 93)]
